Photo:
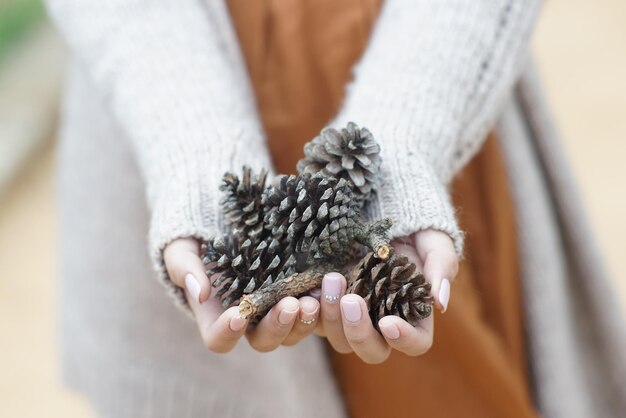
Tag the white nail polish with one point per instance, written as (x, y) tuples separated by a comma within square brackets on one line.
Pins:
[(444, 294), (193, 287)]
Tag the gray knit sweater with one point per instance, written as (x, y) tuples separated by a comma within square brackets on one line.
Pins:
[(428, 87), (165, 80)]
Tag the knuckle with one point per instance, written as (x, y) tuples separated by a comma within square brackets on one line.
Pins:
[(263, 346), (340, 345), (358, 339), (295, 337), (343, 349), (319, 331), (290, 342), (216, 346), (420, 348), (375, 359), (278, 330), (428, 344)]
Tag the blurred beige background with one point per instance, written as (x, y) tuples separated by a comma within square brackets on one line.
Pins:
[(580, 47)]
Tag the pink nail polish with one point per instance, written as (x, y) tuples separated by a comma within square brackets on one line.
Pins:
[(351, 310), (308, 312), (389, 330), (193, 287), (331, 287), (316, 293), (237, 323), (444, 294)]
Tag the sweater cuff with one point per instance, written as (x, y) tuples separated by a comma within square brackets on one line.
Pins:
[(181, 212), (414, 198)]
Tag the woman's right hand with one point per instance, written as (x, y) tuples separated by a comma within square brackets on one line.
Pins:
[(286, 323)]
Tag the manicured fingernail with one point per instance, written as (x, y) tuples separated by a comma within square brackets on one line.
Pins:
[(285, 317), (389, 329), (237, 323), (444, 294), (351, 310), (331, 287), (308, 314), (193, 287)]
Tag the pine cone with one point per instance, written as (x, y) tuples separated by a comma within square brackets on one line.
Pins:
[(246, 266), (351, 153), (315, 214), (391, 287), (242, 202)]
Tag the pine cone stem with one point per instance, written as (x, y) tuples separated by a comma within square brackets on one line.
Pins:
[(257, 303), (375, 236)]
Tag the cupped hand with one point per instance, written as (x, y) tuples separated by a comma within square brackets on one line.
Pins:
[(345, 321), (287, 322)]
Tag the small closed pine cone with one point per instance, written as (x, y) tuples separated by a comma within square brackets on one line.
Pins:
[(351, 153), (391, 287), (245, 266), (315, 214), (241, 202)]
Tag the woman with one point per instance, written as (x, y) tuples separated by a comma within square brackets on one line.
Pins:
[(162, 92)]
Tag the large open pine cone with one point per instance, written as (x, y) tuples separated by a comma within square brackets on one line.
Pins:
[(314, 213), (351, 153), (246, 266), (391, 287), (242, 202)]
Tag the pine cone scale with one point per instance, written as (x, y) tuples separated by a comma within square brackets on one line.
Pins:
[(391, 287), (351, 153)]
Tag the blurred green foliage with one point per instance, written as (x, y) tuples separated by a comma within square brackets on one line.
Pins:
[(17, 18)]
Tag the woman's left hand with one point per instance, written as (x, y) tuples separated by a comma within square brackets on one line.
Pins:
[(344, 319)]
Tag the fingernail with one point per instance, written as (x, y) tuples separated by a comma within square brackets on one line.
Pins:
[(237, 323), (331, 287), (444, 294), (316, 293), (389, 329), (285, 317), (351, 310), (193, 287), (308, 316)]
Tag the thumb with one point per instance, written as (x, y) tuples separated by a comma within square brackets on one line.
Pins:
[(186, 269), (441, 263)]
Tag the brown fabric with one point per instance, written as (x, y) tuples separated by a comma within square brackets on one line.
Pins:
[(476, 367), (299, 55)]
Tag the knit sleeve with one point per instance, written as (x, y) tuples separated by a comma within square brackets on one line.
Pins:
[(429, 87), (171, 74)]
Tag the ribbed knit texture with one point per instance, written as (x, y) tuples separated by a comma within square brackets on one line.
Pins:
[(166, 78), (173, 77), (428, 88)]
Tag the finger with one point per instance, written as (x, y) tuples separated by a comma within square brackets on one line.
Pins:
[(275, 326), (401, 336), (319, 325), (316, 293), (407, 248), (306, 321), (220, 335), (441, 265), (319, 329), (333, 288), (220, 331), (186, 269), (361, 335)]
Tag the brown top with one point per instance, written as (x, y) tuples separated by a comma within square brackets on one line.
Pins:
[(299, 55)]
